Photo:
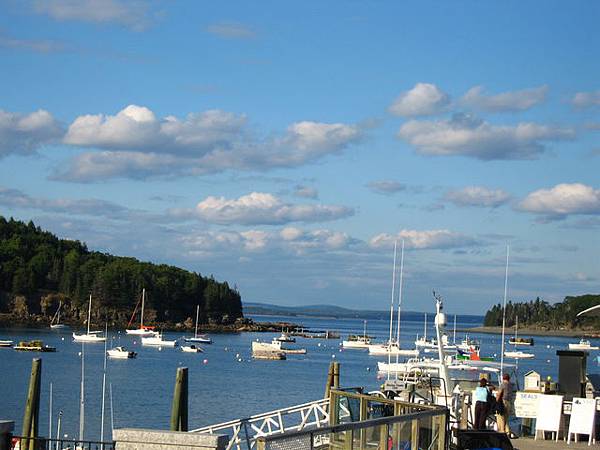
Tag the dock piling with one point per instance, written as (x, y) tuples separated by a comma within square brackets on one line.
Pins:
[(179, 410), (32, 406)]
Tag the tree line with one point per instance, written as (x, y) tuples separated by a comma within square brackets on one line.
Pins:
[(38, 270), (541, 314)]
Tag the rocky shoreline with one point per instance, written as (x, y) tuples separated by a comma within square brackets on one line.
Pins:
[(239, 326), (535, 332)]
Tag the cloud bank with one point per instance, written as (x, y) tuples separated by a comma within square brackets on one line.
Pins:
[(26, 133), (422, 100), (478, 196), (563, 200), (520, 100)]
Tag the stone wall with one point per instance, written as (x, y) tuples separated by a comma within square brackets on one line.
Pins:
[(141, 439)]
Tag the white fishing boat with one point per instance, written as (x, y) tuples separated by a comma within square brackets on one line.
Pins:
[(275, 346), (468, 345), (191, 349), (143, 330), (90, 336), (518, 354), (359, 342), (157, 340), (583, 344), (284, 337), (6, 343), (392, 350), (199, 338), (55, 322), (121, 353)]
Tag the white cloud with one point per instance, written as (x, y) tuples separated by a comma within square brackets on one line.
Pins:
[(478, 196), (34, 45), (306, 192), (467, 136), (520, 100), (139, 145), (563, 200), (423, 239), (386, 186), (231, 30), (26, 133), (586, 99), (423, 99), (130, 13), (261, 208)]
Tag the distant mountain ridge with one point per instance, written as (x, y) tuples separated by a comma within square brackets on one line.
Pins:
[(339, 312)]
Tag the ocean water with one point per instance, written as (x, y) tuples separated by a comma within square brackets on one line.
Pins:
[(220, 388)]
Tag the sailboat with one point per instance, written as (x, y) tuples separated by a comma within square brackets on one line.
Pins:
[(432, 345), (519, 340), (517, 353), (358, 341), (392, 347), (199, 338), (56, 317), (90, 336), (142, 330)]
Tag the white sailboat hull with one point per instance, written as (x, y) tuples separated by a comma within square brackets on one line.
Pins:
[(582, 347), (356, 344), (158, 341), (58, 326), (88, 338), (519, 355), (384, 350), (141, 332)]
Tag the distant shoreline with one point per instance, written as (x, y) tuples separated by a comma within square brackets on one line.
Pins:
[(533, 332)]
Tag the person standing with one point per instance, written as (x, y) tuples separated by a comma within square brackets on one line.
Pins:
[(481, 404), (505, 398)]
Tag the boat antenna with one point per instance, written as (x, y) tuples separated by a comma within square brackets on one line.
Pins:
[(392, 309), (504, 311)]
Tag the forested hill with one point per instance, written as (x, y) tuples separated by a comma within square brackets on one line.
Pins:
[(38, 270), (543, 315)]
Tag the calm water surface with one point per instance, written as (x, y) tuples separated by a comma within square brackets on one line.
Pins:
[(221, 389)]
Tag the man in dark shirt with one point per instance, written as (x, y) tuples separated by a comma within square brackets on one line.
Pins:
[(505, 397)]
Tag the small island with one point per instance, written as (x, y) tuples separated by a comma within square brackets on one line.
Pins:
[(40, 272), (540, 318)]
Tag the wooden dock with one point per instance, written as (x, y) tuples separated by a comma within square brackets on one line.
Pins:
[(531, 444)]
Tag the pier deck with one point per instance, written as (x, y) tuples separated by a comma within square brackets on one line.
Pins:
[(530, 444)]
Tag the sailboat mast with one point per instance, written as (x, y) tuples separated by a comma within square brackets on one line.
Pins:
[(89, 315), (425, 328), (392, 309), (454, 331), (504, 310), (365, 331), (142, 315), (82, 393), (400, 294), (103, 390), (197, 313)]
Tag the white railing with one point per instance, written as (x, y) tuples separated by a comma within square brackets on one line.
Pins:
[(244, 432)]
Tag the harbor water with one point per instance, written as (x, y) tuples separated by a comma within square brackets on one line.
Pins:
[(224, 382)]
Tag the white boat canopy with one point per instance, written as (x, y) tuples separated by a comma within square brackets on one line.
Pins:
[(594, 311)]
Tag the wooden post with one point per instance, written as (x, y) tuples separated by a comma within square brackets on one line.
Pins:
[(336, 375), (32, 405), (179, 410), (414, 435), (329, 380)]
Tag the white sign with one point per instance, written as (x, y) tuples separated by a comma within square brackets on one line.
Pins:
[(583, 415), (526, 404), (549, 413)]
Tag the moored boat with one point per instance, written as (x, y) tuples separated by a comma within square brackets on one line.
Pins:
[(284, 337), (6, 343), (158, 340), (34, 346), (90, 336), (121, 353), (519, 355), (55, 322), (199, 338), (191, 349), (583, 344), (143, 330), (356, 341)]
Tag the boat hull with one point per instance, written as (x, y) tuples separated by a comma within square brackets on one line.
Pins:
[(88, 338)]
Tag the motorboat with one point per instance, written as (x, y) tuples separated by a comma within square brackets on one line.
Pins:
[(358, 342), (468, 345), (284, 337), (583, 344), (6, 343), (519, 355), (198, 338), (516, 340), (276, 346), (90, 336), (191, 349), (55, 322), (157, 340), (143, 330), (121, 353), (265, 350)]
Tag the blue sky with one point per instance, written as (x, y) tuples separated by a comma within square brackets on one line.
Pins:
[(285, 146)]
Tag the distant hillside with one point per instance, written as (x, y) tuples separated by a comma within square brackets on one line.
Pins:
[(337, 312), (38, 271)]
